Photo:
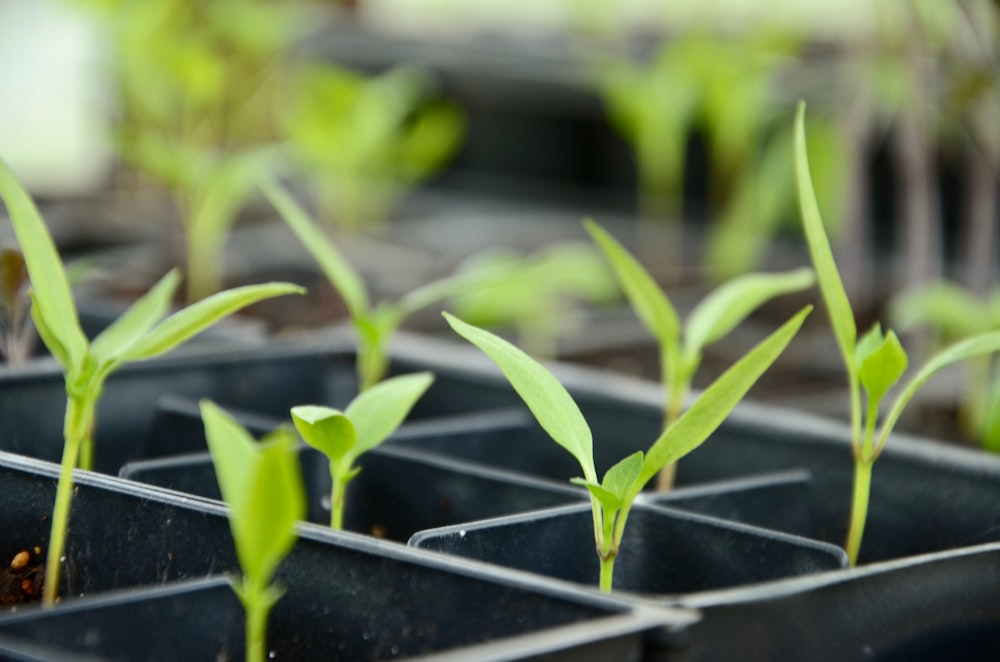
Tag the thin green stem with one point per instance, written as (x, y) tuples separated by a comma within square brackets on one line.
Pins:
[(76, 430), (607, 572), (675, 393), (338, 495), (859, 507), (257, 603)]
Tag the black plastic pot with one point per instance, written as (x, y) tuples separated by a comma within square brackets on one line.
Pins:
[(663, 551), (268, 381), (347, 596), (943, 606), (401, 489)]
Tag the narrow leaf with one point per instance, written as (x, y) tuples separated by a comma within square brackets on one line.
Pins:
[(53, 300), (327, 430), (648, 300), (48, 336), (341, 275), (711, 408), (379, 410), (460, 284), (232, 449), (883, 367), (728, 305), (945, 307), (610, 501), (551, 404), (137, 320), (197, 317), (837, 305), (986, 343)]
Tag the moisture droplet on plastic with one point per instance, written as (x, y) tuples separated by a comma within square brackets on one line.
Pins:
[(271, 655), (461, 534)]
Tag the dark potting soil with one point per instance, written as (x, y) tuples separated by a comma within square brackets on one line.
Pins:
[(21, 578)]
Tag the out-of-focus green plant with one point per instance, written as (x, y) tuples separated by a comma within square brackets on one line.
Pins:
[(363, 141), (373, 323), (197, 84), (953, 313), (542, 298)]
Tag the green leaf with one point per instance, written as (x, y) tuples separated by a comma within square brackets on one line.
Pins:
[(947, 308), (379, 410), (232, 449), (986, 343), (830, 285), (648, 300), (482, 281), (551, 404), (135, 322), (868, 343), (197, 317), (265, 516), (610, 501), (620, 478), (52, 298), (883, 367), (340, 274), (711, 408), (48, 336), (728, 305), (327, 430)]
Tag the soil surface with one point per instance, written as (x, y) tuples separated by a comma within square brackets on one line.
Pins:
[(21, 578)]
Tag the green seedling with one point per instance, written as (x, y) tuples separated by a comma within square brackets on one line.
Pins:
[(261, 484), (363, 141), (542, 299), (140, 333), (954, 313), (560, 417), (373, 324), (875, 362), (681, 348), (344, 436)]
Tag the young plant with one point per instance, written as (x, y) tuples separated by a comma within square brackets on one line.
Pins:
[(140, 333), (954, 313), (557, 413), (262, 485), (874, 362), (712, 319), (343, 436), (363, 141), (373, 324)]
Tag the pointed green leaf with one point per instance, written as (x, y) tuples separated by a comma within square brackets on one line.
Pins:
[(551, 404), (232, 448), (53, 300), (341, 275), (883, 367), (610, 501), (620, 478), (728, 305), (197, 317), (327, 430), (867, 344), (714, 404), (265, 517), (48, 336), (837, 305), (648, 300), (379, 410), (137, 320), (986, 343)]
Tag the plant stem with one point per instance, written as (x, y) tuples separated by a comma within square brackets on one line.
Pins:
[(337, 498), (607, 572), (675, 393), (859, 506), (257, 607), (77, 426)]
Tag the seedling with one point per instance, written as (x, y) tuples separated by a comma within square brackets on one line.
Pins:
[(712, 319), (557, 413), (262, 485), (368, 421), (875, 362), (954, 313), (137, 335), (543, 298), (363, 141), (373, 324)]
